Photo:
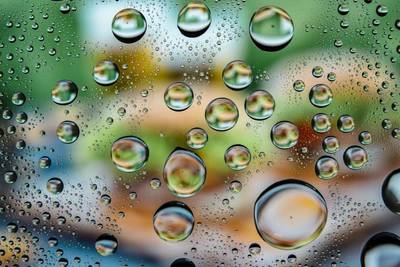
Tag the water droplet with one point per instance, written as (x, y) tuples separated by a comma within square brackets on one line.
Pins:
[(178, 96), (299, 85), (391, 191), (55, 186), (105, 200), (317, 72), (396, 133), (387, 124), (321, 123), (129, 25), (132, 195), (365, 138), (182, 262), (271, 28), (105, 72), (53, 242), (397, 24), (290, 228), (355, 157), (382, 249), (194, 19), (196, 138), (254, 249), (292, 258), (184, 173), (18, 99), (67, 132), (221, 114), (64, 92), (7, 114), (331, 76), (321, 95), (326, 167), (44, 162), (10, 177), (106, 244), (237, 75), (20, 144), (343, 9), (235, 187), (173, 221), (382, 10), (346, 124), (155, 183), (259, 105), (284, 135), (65, 8), (12, 228), (129, 153), (21, 117), (237, 157)]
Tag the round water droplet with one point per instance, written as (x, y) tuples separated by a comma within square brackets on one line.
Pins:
[(254, 249), (292, 258), (284, 135), (235, 187), (321, 123), (105, 72), (346, 123), (321, 95), (331, 144), (53, 242), (55, 186), (21, 117), (382, 249), (355, 157), (391, 191), (290, 228), (155, 183), (196, 138), (221, 114), (129, 153), (10, 177), (326, 167), (12, 228), (259, 105), (106, 244), (397, 24), (129, 25), (64, 92), (382, 10), (396, 133), (182, 262), (237, 157), (68, 132), (331, 76), (343, 9), (365, 138), (194, 19), (237, 75), (105, 199), (178, 96), (387, 124), (44, 162), (20, 144), (271, 28), (18, 99), (65, 8), (299, 85), (173, 221), (317, 72), (184, 173)]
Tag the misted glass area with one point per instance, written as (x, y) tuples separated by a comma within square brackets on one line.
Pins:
[(206, 133)]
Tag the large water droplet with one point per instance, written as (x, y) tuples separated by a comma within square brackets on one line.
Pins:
[(355, 157), (55, 186), (129, 25), (381, 250), (178, 96), (382, 10), (129, 153), (194, 19), (365, 138), (235, 187), (237, 75), (321, 95), (106, 244), (299, 85), (18, 99), (326, 167), (67, 132), (259, 105), (346, 123), (173, 221), (331, 144), (184, 173), (10, 177), (254, 249), (284, 135), (196, 138), (221, 114), (391, 191), (283, 226), (105, 72), (271, 28), (237, 157), (182, 262), (343, 9), (321, 123), (64, 92)]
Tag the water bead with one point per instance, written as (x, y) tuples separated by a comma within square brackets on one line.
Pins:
[(129, 153), (182, 262), (196, 138), (284, 135), (64, 92), (271, 28), (18, 99), (155, 183), (326, 167), (178, 96), (299, 85), (106, 244), (173, 221), (237, 157), (129, 25), (55, 186), (290, 227), (235, 187), (44, 162), (10, 177), (105, 199), (321, 123), (254, 249), (317, 72), (67, 132), (259, 105), (382, 10), (346, 124), (321, 95), (365, 138), (391, 191), (355, 157), (221, 114), (331, 144), (382, 249), (184, 173), (105, 72), (194, 19), (237, 75), (343, 9)]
